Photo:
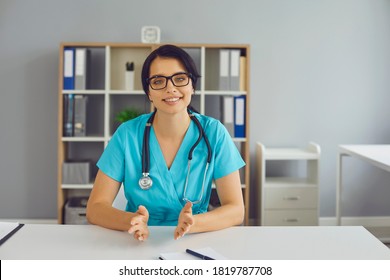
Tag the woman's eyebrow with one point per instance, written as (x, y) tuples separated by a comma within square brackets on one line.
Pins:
[(161, 75)]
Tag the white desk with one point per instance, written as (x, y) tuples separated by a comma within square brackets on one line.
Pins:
[(377, 155), (268, 243)]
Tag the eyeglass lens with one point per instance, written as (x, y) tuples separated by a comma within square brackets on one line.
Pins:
[(178, 80)]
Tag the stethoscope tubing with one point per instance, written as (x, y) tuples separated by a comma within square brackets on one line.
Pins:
[(145, 146), (146, 155)]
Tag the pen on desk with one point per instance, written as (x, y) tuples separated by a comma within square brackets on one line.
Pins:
[(196, 254)]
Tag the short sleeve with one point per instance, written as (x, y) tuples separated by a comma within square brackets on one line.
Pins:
[(227, 156), (112, 160)]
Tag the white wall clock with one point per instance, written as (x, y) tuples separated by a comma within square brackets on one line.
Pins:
[(150, 34)]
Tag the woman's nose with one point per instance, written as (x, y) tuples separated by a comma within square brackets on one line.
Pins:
[(170, 85)]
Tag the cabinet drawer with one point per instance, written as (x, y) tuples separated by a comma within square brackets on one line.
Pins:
[(290, 198), (307, 217)]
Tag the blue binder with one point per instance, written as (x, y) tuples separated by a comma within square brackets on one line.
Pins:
[(239, 116), (69, 68)]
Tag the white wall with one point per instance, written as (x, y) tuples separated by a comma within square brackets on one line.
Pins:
[(319, 72)]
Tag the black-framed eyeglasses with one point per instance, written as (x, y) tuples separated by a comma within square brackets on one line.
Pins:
[(161, 82)]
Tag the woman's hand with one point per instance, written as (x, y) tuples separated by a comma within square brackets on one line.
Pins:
[(186, 220), (139, 224)]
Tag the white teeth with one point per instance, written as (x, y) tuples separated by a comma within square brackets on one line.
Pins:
[(173, 99)]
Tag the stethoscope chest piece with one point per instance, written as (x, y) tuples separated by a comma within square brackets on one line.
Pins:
[(145, 182)]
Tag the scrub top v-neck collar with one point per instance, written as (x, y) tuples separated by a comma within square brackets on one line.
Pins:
[(173, 178), (185, 146)]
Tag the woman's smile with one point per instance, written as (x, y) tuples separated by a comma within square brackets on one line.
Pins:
[(172, 100)]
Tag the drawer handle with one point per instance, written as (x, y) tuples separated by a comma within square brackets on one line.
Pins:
[(291, 220), (291, 198)]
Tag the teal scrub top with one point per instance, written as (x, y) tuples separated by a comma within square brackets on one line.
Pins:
[(122, 161)]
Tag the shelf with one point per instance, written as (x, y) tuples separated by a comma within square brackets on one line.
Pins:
[(84, 92), (126, 92), (77, 186), (274, 182), (239, 139), (84, 139), (289, 154), (226, 92)]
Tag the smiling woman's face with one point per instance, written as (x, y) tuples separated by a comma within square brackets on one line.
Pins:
[(171, 99)]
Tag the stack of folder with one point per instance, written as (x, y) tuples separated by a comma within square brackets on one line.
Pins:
[(232, 74), (232, 78), (75, 115), (233, 115), (76, 68)]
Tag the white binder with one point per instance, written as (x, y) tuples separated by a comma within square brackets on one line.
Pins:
[(224, 83), (235, 69), (81, 69)]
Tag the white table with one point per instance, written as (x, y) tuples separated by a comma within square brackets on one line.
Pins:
[(253, 243), (377, 155)]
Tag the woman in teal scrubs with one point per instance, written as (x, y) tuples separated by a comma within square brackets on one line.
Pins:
[(169, 79)]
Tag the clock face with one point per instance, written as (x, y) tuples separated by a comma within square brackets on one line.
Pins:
[(150, 34)]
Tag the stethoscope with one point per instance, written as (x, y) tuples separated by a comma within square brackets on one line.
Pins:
[(145, 182)]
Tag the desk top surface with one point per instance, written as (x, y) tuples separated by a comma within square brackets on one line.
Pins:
[(378, 155), (92, 242)]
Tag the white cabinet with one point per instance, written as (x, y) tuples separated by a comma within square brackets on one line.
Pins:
[(288, 180)]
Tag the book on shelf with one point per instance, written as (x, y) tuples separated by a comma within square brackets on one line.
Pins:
[(239, 116), (234, 77), (242, 73), (232, 74), (76, 172), (224, 83), (233, 115), (69, 68), (80, 115), (82, 68), (75, 115), (68, 122), (228, 113)]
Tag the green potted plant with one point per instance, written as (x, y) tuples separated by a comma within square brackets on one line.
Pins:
[(127, 114)]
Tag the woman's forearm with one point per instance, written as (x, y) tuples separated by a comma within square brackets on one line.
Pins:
[(109, 217), (219, 218)]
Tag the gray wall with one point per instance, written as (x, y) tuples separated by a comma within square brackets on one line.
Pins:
[(319, 72)]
